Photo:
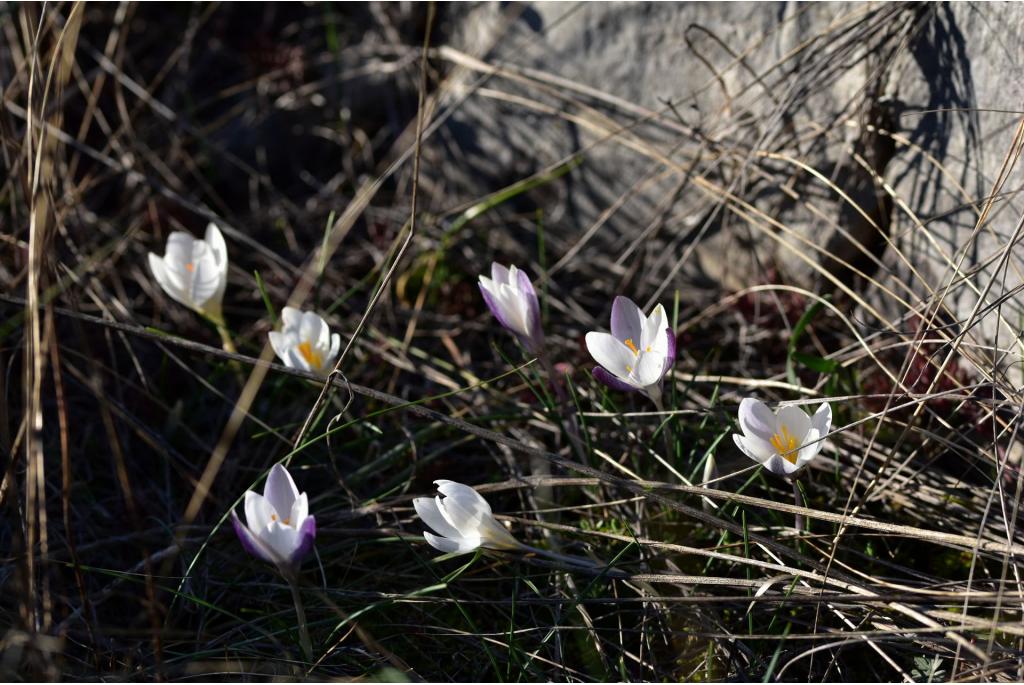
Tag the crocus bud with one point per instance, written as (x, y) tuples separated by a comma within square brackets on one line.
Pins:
[(638, 352), (278, 527), (462, 519), (194, 272), (784, 441), (305, 342), (510, 296)]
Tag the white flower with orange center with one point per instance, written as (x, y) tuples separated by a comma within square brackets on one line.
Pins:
[(784, 441), (638, 352), (305, 342), (194, 272)]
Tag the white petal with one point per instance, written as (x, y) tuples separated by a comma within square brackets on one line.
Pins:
[(281, 539), (447, 545), (655, 332), (612, 354), (291, 318), (754, 449), (650, 369), (796, 421), (277, 342), (180, 246), (810, 448), (822, 419), (465, 493), (426, 508), (156, 265), (756, 420), (299, 512), (257, 511), (280, 490), (499, 274), (215, 240), (332, 354)]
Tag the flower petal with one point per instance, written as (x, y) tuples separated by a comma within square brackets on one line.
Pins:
[(756, 420), (627, 320), (332, 353), (670, 351), (495, 304), (611, 353), (426, 508), (257, 510), (299, 511), (280, 490), (249, 541), (215, 240), (291, 318), (613, 381), (822, 419), (499, 274), (282, 540), (447, 545), (277, 342), (796, 421), (811, 446), (654, 336), (305, 537), (754, 449), (649, 369)]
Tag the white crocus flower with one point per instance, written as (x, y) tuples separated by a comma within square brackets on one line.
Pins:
[(463, 520), (510, 296), (305, 342), (278, 527), (637, 353), (784, 441), (194, 272)]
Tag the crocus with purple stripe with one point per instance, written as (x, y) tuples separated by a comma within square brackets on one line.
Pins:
[(278, 527), (638, 352), (510, 296)]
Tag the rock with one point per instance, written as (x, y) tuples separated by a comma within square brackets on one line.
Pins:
[(836, 145)]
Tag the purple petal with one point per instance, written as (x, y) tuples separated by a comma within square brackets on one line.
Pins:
[(670, 355), (611, 380), (307, 535), (248, 540), (493, 306), (627, 319)]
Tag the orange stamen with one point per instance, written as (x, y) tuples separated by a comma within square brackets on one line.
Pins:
[(191, 267), (312, 358), (785, 445), (630, 345)]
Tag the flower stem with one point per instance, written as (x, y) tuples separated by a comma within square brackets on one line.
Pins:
[(572, 429), (564, 558), (798, 522), (300, 614)]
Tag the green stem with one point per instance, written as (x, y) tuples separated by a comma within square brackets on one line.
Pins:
[(798, 523), (300, 614)]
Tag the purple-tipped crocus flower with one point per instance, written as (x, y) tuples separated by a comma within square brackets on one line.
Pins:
[(510, 296), (278, 527), (638, 352)]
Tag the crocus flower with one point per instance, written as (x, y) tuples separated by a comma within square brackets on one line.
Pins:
[(510, 296), (278, 527), (194, 272), (305, 342), (637, 353), (462, 519), (784, 441)]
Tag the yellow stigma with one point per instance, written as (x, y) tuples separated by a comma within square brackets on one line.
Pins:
[(630, 345), (785, 444), (287, 522), (190, 267), (312, 358)]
